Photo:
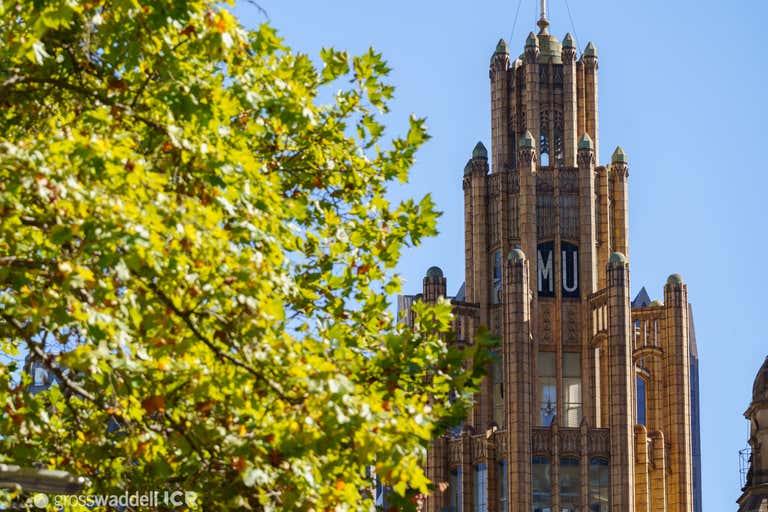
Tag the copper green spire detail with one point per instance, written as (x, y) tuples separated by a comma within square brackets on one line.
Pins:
[(619, 156), (480, 151), (586, 142)]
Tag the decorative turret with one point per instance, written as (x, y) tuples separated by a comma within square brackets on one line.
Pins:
[(531, 41), (434, 284), (619, 156), (585, 142), (590, 50), (568, 41), (479, 151), (501, 47), (500, 57), (586, 153)]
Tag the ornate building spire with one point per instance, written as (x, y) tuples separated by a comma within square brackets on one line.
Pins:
[(543, 23)]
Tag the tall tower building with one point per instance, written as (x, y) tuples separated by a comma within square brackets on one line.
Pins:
[(588, 403)]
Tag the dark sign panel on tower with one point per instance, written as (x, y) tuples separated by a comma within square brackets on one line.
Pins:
[(545, 266)]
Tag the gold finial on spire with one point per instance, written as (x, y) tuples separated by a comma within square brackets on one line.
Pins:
[(543, 23)]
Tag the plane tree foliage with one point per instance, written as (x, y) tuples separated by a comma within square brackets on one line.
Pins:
[(217, 244)]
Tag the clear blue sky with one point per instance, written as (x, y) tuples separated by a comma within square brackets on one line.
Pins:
[(682, 90)]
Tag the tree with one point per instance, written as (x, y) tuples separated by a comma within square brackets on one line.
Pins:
[(219, 247)]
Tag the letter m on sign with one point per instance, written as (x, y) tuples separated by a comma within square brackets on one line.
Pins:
[(545, 262)]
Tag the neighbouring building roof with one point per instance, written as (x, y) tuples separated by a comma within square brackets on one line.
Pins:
[(760, 388), (642, 300)]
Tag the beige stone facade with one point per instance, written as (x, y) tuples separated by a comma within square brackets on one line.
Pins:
[(754, 497), (587, 405)]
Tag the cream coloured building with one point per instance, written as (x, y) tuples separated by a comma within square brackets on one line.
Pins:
[(591, 404)]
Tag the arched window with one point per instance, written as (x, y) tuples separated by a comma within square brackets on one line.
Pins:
[(599, 482), (570, 484), (541, 484), (642, 388)]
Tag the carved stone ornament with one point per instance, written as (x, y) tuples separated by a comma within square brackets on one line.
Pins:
[(569, 441), (586, 158), (569, 55)]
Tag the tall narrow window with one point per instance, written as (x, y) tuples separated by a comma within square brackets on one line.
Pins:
[(641, 401), (501, 485), (547, 387), (571, 389), (544, 149), (541, 484), (496, 278), (498, 389), (480, 493), (454, 488), (570, 484), (599, 481), (598, 389)]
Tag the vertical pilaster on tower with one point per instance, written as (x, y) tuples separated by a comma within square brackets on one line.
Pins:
[(642, 470), (621, 371), (434, 285), (620, 203), (586, 162), (499, 76), (469, 240), (570, 128), (658, 473), (479, 293), (589, 59), (526, 161), (678, 418), (531, 92), (603, 221), (517, 353)]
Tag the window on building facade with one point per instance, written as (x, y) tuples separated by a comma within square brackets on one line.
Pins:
[(570, 484), (454, 488), (480, 494), (599, 481), (598, 389), (496, 278), (498, 389), (547, 387), (544, 149), (40, 376), (501, 485), (571, 389), (559, 157), (641, 400), (541, 484)]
